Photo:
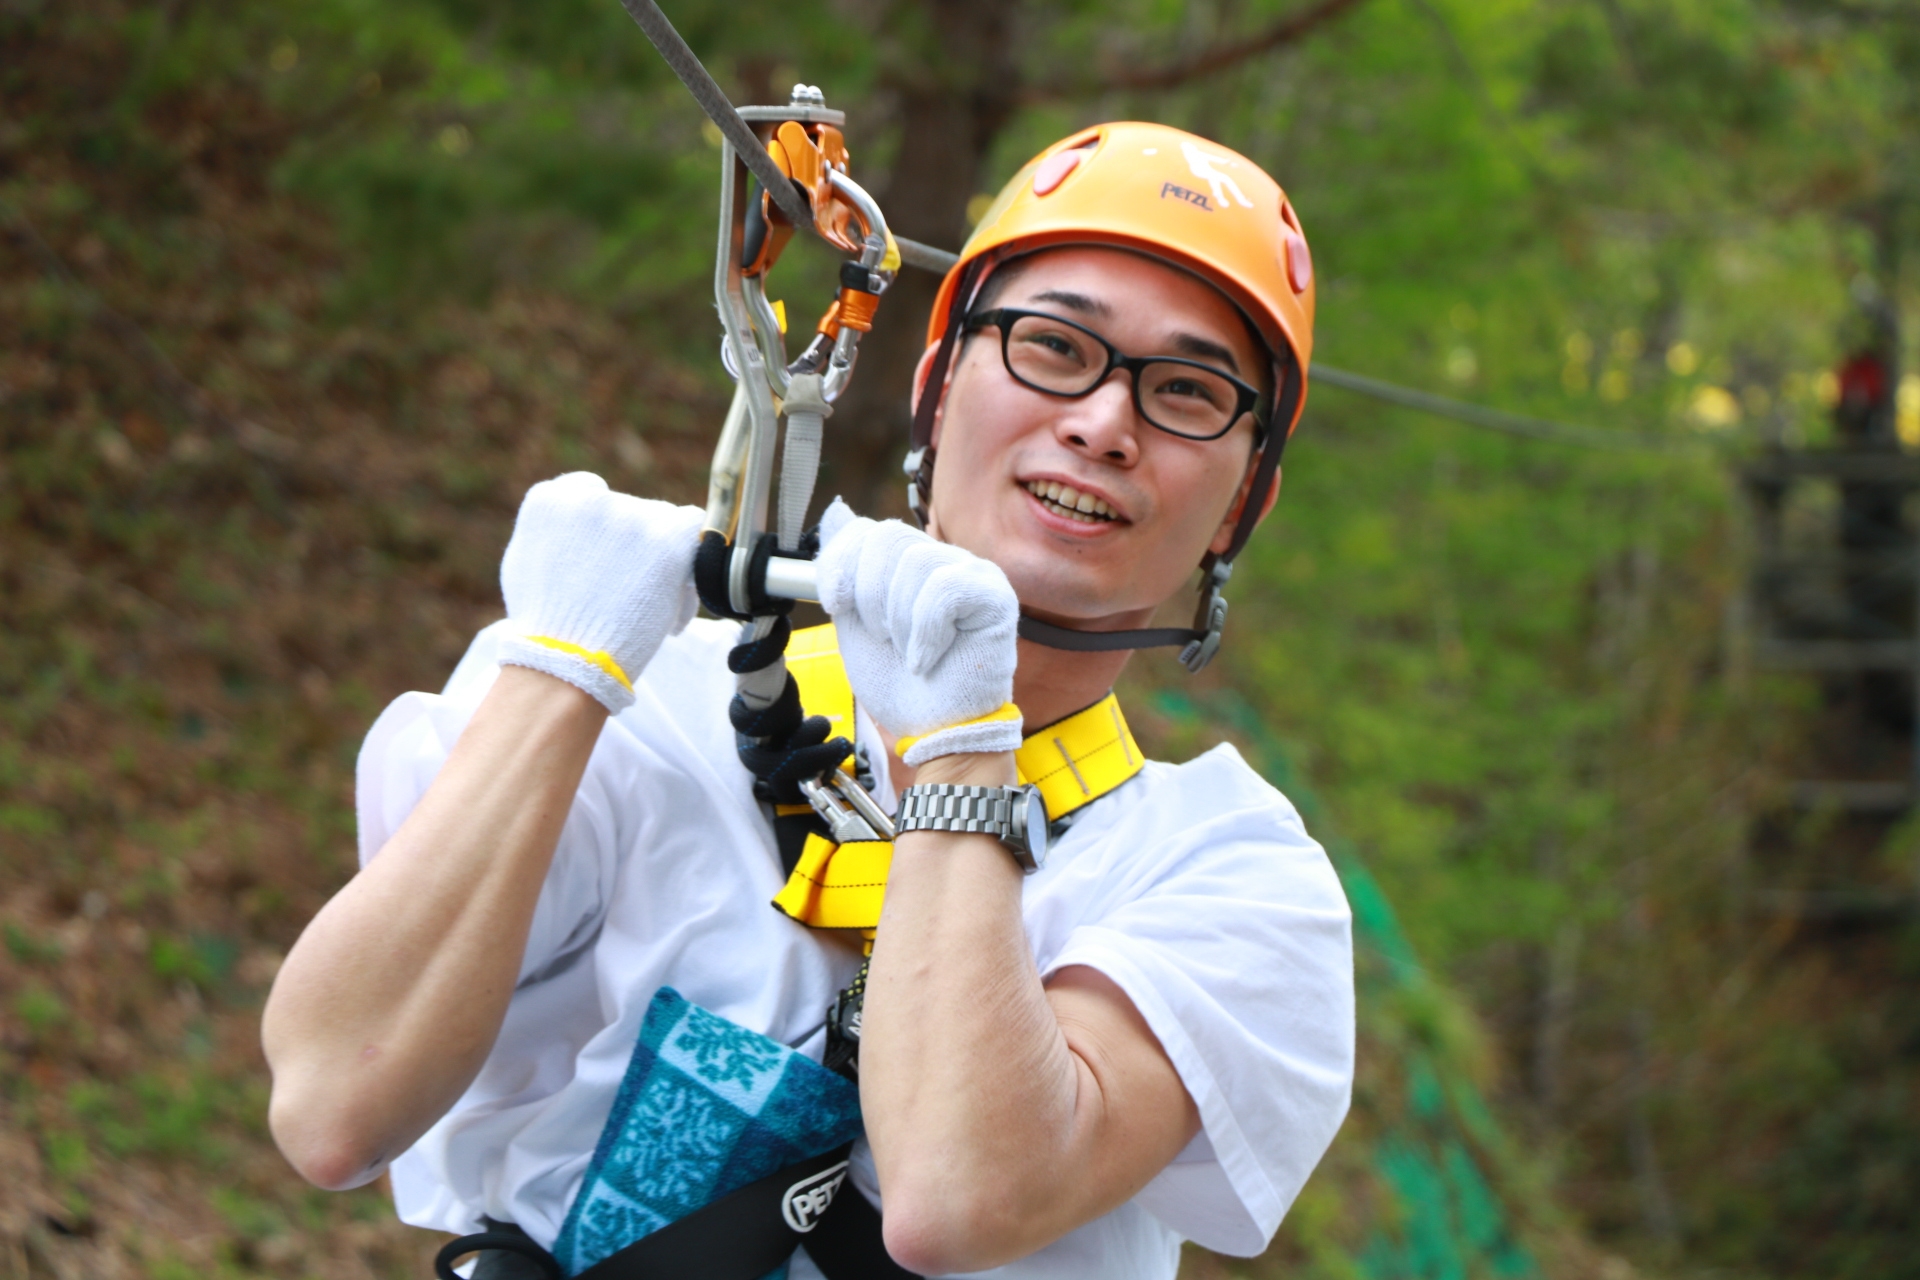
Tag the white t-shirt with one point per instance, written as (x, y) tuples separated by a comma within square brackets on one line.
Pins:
[(1194, 887)]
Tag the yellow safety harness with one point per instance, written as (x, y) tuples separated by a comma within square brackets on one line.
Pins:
[(1073, 761)]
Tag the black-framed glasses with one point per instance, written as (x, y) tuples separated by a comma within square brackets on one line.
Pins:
[(1054, 355)]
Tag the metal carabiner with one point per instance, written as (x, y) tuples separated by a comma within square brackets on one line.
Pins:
[(847, 808)]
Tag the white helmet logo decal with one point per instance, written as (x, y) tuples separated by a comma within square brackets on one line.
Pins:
[(1205, 166)]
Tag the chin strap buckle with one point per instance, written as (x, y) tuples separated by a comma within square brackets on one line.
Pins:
[(1210, 619), (916, 503)]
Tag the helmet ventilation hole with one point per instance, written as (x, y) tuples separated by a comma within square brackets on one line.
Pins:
[(1054, 170), (1299, 261)]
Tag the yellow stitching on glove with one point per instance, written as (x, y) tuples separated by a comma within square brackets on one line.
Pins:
[(598, 657), (1006, 712)]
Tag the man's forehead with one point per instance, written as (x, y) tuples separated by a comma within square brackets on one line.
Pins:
[(1085, 304), (1097, 269)]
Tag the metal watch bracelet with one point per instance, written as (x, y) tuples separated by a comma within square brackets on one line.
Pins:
[(1016, 816)]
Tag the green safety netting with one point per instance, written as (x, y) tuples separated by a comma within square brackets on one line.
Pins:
[(1421, 1184)]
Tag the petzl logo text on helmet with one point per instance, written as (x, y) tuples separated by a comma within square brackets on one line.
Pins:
[(808, 1200), (1192, 197), (1206, 167)]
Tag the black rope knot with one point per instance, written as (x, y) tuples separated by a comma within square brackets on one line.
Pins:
[(713, 575), (780, 765)]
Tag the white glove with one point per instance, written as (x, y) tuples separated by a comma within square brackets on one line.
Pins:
[(595, 581), (926, 633)]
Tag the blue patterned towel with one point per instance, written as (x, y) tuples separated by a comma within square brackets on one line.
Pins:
[(706, 1107)]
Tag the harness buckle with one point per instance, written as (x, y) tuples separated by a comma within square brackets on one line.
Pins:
[(916, 504), (842, 1053)]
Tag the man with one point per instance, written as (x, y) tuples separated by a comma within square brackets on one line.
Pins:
[(1061, 1074)]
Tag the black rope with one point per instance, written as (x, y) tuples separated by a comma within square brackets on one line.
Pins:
[(780, 765), (780, 745), (711, 563), (781, 716), (756, 655), (713, 579)]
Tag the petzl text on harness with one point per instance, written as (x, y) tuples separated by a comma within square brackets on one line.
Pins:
[(724, 1151)]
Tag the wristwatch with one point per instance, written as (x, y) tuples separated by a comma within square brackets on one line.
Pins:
[(1017, 816)]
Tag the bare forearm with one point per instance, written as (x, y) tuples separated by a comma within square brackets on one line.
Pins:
[(988, 1102), (389, 1003)]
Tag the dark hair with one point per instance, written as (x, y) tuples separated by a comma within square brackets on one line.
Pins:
[(999, 280)]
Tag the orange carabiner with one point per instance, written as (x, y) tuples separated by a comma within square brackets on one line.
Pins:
[(808, 162)]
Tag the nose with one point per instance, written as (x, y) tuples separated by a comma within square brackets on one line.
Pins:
[(1103, 424)]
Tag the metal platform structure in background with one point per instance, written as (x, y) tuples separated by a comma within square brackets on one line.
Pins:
[(1834, 592)]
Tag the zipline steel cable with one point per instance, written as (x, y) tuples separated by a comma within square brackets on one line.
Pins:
[(1512, 424), (752, 152), (687, 66)]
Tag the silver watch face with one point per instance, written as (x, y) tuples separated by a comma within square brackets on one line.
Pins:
[(1036, 826)]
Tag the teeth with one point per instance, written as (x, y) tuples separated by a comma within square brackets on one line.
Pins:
[(1065, 500)]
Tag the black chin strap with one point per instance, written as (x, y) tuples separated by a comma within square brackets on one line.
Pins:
[(1045, 633), (1198, 643), (919, 463)]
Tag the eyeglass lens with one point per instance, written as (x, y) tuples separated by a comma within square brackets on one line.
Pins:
[(1186, 399)]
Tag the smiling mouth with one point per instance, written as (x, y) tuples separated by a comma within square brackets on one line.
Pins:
[(1065, 500)]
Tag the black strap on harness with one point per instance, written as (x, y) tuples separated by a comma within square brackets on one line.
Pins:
[(741, 1236), (506, 1253)]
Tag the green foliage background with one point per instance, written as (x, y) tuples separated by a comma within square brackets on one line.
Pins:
[(1502, 664)]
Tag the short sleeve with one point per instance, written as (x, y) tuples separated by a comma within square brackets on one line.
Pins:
[(403, 753), (1238, 953)]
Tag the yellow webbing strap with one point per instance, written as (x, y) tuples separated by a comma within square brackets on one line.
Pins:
[(813, 658), (1077, 760), (1073, 761), (837, 886)]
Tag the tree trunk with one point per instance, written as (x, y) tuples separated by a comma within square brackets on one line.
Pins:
[(956, 89), (955, 74)]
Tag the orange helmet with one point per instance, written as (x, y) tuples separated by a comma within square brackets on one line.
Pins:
[(1164, 192), (1171, 195)]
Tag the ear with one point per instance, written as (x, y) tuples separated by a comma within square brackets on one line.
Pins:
[(921, 372), (1223, 536)]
